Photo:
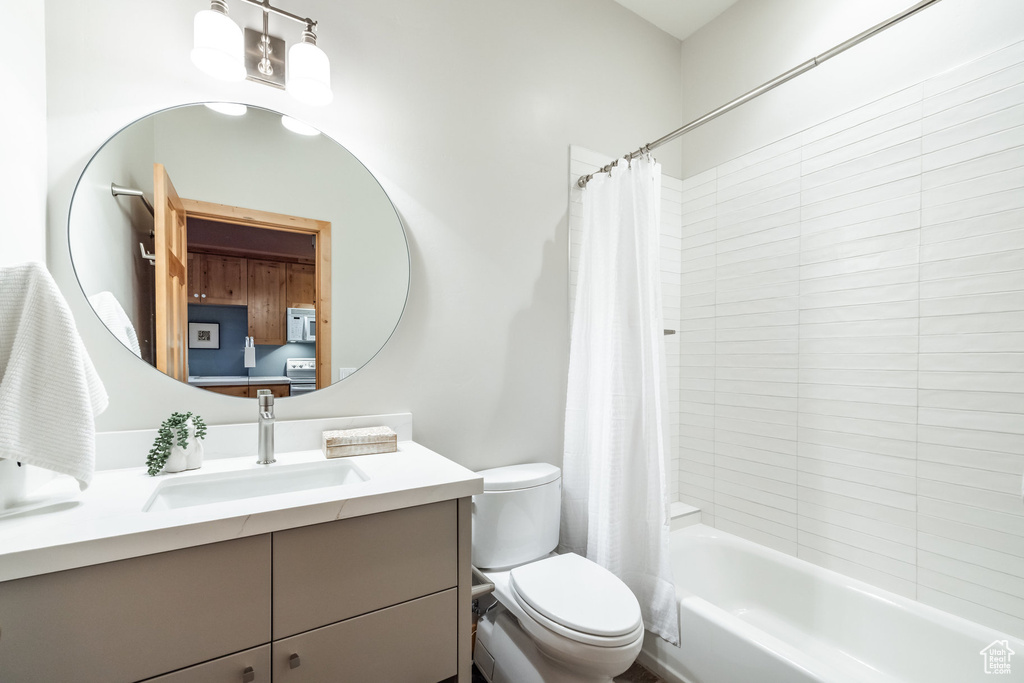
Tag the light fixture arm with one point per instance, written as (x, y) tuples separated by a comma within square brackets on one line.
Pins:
[(270, 9)]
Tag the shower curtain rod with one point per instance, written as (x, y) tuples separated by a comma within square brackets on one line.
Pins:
[(765, 87)]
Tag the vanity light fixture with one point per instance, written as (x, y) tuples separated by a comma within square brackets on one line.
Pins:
[(223, 51), (217, 43)]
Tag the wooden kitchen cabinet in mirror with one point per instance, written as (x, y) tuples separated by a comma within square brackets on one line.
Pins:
[(217, 280), (242, 243), (268, 282)]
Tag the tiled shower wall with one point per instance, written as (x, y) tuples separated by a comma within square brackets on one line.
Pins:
[(582, 162), (852, 343)]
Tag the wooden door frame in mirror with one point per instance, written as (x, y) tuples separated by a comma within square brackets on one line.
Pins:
[(276, 221)]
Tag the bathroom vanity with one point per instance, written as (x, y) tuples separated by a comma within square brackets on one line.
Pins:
[(364, 580)]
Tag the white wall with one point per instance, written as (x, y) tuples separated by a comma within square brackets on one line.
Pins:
[(464, 110), (23, 145), (852, 318)]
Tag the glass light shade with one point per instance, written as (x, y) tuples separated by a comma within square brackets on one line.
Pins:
[(218, 48), (296, 126), (309, 74), (227, 108)]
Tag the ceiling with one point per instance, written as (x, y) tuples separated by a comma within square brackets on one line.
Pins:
[(679, 18)]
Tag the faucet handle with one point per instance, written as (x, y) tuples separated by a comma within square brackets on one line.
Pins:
[(265, 397)]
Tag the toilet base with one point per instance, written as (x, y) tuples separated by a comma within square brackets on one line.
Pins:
[(506, 654)]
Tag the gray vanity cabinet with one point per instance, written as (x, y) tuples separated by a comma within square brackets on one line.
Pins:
[(373, 598), (330, 572), (383, 597), (137, 618), (414, 642), (251, 666)]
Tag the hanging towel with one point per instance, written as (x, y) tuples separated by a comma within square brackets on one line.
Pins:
[(111, 314), (49, 390)]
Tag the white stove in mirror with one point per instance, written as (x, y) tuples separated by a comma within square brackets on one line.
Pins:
[(302, 373)]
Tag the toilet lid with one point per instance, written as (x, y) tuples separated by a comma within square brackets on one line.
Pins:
[(578, 594)]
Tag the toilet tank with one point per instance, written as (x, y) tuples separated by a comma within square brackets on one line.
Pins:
[(515, 519)]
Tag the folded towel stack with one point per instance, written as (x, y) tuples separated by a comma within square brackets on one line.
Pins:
[(49, 390), (338, 443)]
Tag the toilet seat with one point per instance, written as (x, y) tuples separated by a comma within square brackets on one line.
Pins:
[(579, 600)]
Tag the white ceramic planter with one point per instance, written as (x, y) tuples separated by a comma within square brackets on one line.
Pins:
[(188, 458)]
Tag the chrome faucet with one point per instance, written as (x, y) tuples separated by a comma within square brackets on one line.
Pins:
[(265, 454)]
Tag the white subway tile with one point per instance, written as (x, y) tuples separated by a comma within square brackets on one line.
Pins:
[(855, 522), (972, 323), (976, 70), (974, 168), (857, 570), (1002, 302), (966, 495), (763, 531), (969, 571), (972, 381), (865, 410), (973, 129), (861, 556), (854, 457), (970, 400), (991, 143), (868, 492), (873, 195), (866, 113), (996, 531), (972, 109), (760, 156), (883, 140), (968, 342), (859, 442), (1001, 621), (854, 505)]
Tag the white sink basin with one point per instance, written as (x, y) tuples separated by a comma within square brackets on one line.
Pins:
[(264, 481)]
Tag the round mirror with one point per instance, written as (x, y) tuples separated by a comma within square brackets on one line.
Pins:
[(238, 250)]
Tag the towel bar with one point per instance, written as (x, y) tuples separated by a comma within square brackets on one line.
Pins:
[(117, 190), (484, 587)]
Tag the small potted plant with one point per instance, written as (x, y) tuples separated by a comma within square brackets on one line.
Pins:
[(178, 445)]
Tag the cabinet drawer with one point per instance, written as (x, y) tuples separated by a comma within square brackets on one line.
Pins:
[(230, 669), (136, 618), (329, 572), (414, 642)]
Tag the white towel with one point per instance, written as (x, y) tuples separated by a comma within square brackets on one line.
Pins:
[(111, 314), (49, 390)]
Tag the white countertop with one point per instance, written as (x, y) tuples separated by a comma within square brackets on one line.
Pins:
[(231, 380), (67, 529)]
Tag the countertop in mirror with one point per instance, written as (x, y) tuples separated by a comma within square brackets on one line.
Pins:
[(232, 380), (107, 522)]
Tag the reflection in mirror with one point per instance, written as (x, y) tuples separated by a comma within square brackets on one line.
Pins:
[(256, 258)]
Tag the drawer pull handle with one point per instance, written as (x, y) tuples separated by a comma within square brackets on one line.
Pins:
[(294, 661), (248, 676)]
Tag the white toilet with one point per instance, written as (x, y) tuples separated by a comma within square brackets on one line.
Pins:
[(559, 618)]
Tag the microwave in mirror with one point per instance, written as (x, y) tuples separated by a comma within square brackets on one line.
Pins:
[(301, 325)]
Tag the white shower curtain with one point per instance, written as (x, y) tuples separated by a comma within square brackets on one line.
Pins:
[(614, 507)]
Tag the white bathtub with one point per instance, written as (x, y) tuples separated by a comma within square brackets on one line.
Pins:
[(750, 614)]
